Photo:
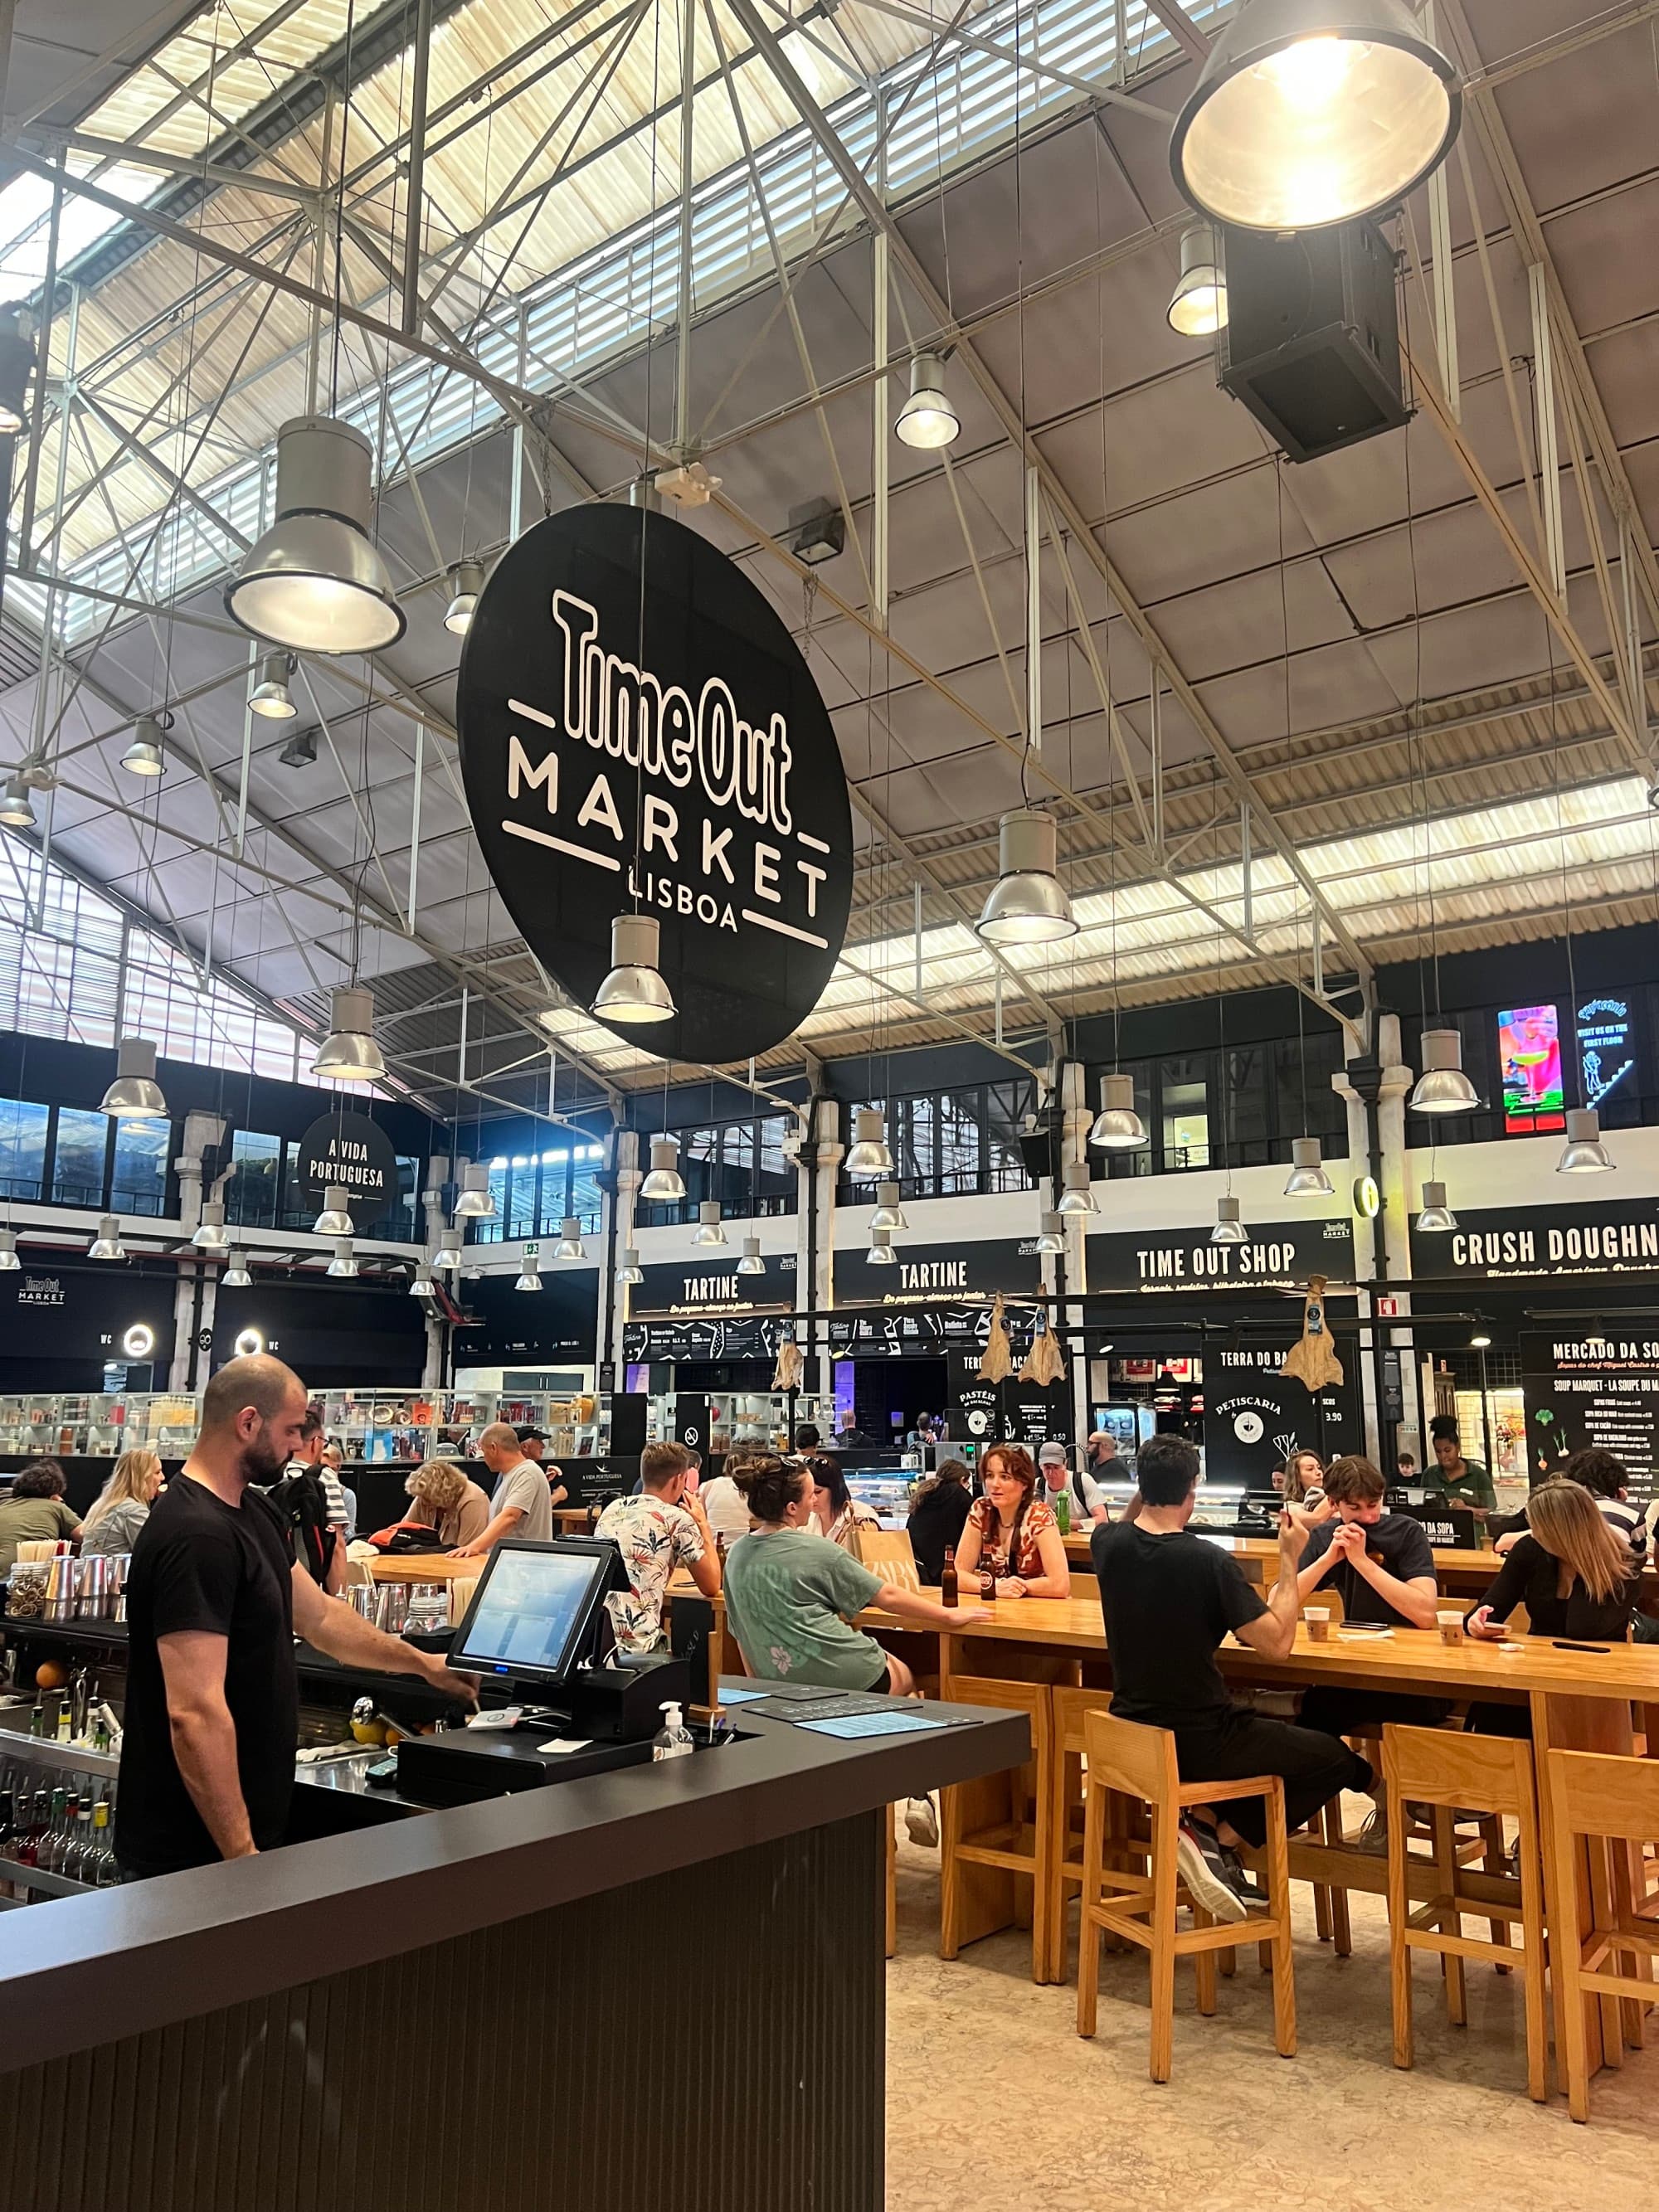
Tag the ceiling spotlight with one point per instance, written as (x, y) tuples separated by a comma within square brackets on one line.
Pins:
[(528, 1278), (1051, 1232), (467, 580), (17, 365), (344, 1261), (1479, 1343), (631, 1270), (1199, 308), (10, 1261), (665, 1182), (708, 1230), (423, 1286), (106, 1244), (212, 1236), (1308, 1176), (927, 419), (570, 1239), (751, 1262), (818, 532), (301, 750), (144, 755), (881, 1253), (448, 1253), (1077, 1196), (135, 1095), (634, 992), (870, 1156), (236, 1276), (1443, 1087), (1437, 1216), (17, 807), (271, 697), (887, 1214), (1310, 113), (1583, 1154), (1229, 1228), (349, 1052), (315, 582), (1027, 904), (474, 1200), (1118, 1128), (334, 1220)]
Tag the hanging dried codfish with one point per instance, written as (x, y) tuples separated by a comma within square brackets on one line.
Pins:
[(790, 1367), (1043, 1362), (1312, 1359), (998, 1365)]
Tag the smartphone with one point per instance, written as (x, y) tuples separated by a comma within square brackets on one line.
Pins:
[(1561, 1644)]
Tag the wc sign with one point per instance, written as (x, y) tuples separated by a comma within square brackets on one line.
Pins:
[(638, 734)]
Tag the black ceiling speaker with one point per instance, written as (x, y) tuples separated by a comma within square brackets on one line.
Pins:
[(1311, 344)]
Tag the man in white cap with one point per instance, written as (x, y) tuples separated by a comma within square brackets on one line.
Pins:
[(1088, 1498)]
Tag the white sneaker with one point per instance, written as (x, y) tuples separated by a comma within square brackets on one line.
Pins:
[(1209, 1879), (921, 1822)]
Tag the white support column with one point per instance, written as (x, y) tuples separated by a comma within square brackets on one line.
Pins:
[(880, 430), (821, 1158), (1396, 1084), (1549, 458), (1074, 1146), (614, 1296)]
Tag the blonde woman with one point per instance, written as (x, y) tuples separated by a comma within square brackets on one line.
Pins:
[(444, 1497), (122, 1506)]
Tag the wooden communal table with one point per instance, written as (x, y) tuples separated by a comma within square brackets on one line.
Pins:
[(423, 1567), (1579, 1701), (1458, 1573)]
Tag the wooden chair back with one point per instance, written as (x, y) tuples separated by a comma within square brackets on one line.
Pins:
[(1604, 1794), (1490, 1773), (1124, 1755)]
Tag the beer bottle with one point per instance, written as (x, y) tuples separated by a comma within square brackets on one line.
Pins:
[(947, 1581)]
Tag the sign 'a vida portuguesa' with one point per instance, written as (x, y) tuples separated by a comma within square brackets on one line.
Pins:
[(639, 734)]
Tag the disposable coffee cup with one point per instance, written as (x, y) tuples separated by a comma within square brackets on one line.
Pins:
[(1318, 1618), (1450, 1618)]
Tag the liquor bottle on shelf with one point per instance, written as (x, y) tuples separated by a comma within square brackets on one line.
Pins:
[(32, 1830), (105, 1872), (52, 1844), (9, 1838), (38, 1715), (77, 1856)]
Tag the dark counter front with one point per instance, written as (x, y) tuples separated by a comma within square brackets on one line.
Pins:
[(659, 1987)]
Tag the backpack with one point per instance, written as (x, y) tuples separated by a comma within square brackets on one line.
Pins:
[(301, 1506)]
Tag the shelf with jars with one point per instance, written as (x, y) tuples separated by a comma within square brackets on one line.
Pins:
[(404, 1427), (98, 1425), (747, 1417)]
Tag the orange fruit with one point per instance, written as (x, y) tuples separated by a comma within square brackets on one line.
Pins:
[(50, 1675)]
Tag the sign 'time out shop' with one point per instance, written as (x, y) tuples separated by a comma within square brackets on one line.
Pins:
[(639, 734)]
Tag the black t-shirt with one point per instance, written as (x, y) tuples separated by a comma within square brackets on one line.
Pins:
[(936, 1521), (1168, 1602), (1399, 1544), (200, 1563), (1530, 1575)]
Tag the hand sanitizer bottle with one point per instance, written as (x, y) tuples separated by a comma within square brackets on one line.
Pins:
[(673, 1738)]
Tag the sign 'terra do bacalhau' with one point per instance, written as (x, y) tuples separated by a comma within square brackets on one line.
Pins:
[(639, 734)]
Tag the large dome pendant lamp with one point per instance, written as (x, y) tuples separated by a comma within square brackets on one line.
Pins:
[(635, 990), (1310, 112), (315, 581)]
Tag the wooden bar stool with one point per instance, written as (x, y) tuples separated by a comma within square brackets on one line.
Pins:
[(1139, 1762), (1070, 1710), (1593, 1796), (995, 1832), (1491, 1775)]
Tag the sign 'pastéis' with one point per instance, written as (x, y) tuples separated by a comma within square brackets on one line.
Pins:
[(639, 734)]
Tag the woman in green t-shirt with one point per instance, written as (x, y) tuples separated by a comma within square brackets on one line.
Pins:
[(1453, 1478), (35, 1512)]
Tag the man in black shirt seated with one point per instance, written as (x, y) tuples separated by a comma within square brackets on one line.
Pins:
[(1381, 1566), (1169, 1598)]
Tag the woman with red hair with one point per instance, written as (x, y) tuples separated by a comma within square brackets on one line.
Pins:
[(1012, 1538)]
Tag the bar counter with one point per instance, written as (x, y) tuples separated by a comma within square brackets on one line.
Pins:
[(660, 1986)]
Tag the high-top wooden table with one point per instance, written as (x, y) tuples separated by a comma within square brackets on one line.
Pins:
[(1458, 1573)]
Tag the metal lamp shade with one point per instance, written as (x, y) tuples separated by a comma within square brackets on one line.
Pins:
[(1118, 1128), (881, 1253), (212, 1236), (17, 807), (465, 586), (751, 1262), (135, 1095), (315, 582), (1436, 1217), (1027, 904), (236, 1276), (634, 992), (474, 1202), (344, 1261), (1583, 1154), (145, 755), (106, 1244), (349, 1052), (1077, 1197), (1051, 1232), (448, 1253), (334, 1219), (570, 1246), (1229, 1228), (927, 419), (708, 1230), (869, 1155), (528, 1278), (1310, 113), (631, 1270), (1199, 308), (664, 1184), (270, 697), (10, 1261), (1443, 1087), (423, 1286), (1308, 1176), (888, 1213)]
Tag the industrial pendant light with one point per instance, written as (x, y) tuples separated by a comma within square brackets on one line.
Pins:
[(448, 1253), (664, 1183), (106, 1244), (888, 1213), (1583, 1154), (528, 1278), (474, 1200), (212, 1236), (1077, 1196), (1443, 1087), (634, 992), (135, 1095), (751, 1262), (334, 1220), (236, 1276), (349, 1052), (708, 1230), (1436, 1217), (423, 1286), (344, 1261), (881, 1253), (1199, 308), (1308, 1176), (570, 1239), (1310, 113), (1118, 1128), (1051, 1232), (631, 1270), (315, 582), (927, 419), (1229, 1229), (870, 1156), (17, 807), (1027, 904), (467, 580), (271, 697), (145, 755), (10, 1261)]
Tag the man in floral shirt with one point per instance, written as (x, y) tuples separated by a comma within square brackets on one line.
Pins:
[(659, 1528)]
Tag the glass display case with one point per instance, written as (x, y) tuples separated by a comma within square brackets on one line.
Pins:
[(404, 1427), (98, 1425), (887, 1492), (750, 1417)]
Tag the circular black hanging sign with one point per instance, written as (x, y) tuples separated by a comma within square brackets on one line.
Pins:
[(351, 1151), (653, 743)]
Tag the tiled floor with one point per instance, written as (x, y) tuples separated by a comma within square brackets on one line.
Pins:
[(993, 2102)]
